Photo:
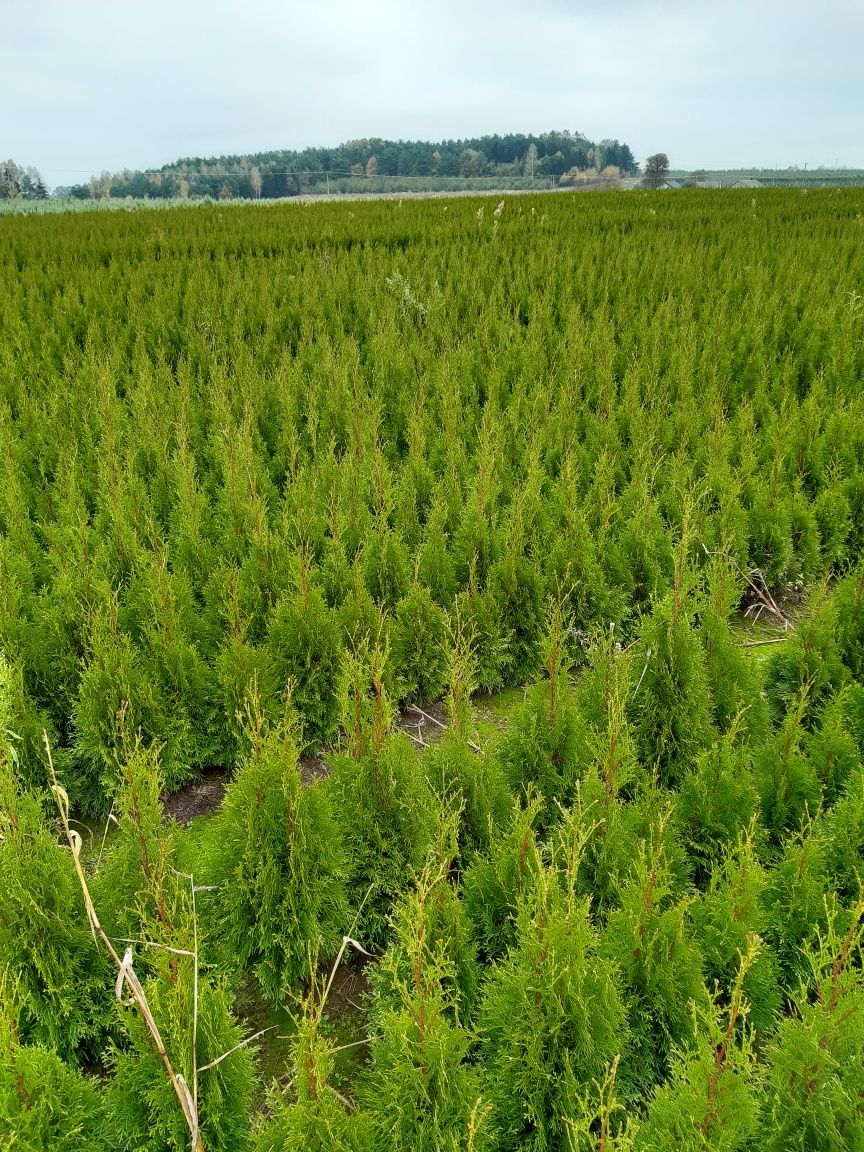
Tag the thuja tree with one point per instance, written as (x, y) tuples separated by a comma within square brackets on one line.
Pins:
[(809, 666), (422, 1092), (116, 682), (785, 776), (160, 614), (849, 605), (193, 1013), (366, 704), (143, 895), (471, 786), (615, 804), (551, 1020), (832, 746), (545, 745), (62, 989), (734, 681), (305, 649), (22, 725), (671, 707), (388, 816), (44, 1103), (726, 919), (716, 800), (177, 1037), (275, 856), (419, 646), (798, 898), (433, 912), (314, 1114), (648, 936), (710, 1099), (496, 881), (383, 803), (843, 828), (815, 1074), (134, 883)]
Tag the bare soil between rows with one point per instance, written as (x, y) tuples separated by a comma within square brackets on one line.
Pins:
[(200, 797)]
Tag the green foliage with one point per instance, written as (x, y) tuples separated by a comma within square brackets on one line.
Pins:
[(61, 994), (388, 819), (366, 706), (117, 694), (843, 831), (314, 1117), (433, 914), (733, 681), (727, 919), (785, 776), (648, 938), (44, 1103), (294, 476), (552, 1017), (809, 662), (832, 748), (305, 653), (144, 1114), (717, 799), (495, 883), (544, 747), (422, 1092), (671, 707), (709, 1100), (419, 646), (798, 899), (815, 1073), (21, 727), (848, 600), (471, 787), (275, 858)]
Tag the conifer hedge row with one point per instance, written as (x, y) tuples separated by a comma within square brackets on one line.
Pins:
[(267, 475)]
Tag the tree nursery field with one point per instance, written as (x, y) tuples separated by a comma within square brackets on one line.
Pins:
[(274, 478)]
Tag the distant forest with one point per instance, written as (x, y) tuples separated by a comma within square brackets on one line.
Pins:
[(366, 165), (17, 183)]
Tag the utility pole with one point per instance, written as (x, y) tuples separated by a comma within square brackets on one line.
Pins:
[(327, 174)]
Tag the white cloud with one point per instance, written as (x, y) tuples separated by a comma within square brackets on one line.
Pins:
[(101, 84)]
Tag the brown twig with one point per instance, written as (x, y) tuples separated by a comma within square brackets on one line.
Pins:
[(763, 593), (125, 972), (413, 708)]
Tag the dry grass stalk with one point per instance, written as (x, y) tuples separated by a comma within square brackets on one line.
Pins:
[(125, 971)]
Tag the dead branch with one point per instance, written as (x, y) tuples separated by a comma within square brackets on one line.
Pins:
[(644, 670), (763, 593), (426, 716), (413, 708)]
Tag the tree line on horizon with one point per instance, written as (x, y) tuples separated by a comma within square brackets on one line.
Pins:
[(19, 183), (281, 173)]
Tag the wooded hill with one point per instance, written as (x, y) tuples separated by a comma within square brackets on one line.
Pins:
[(523, 158)]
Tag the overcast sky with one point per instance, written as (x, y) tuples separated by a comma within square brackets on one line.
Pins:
[(106, 84)]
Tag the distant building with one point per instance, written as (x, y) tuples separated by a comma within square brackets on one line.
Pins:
[(746, 182)]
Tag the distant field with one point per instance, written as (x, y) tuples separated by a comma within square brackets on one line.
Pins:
[(508, 555)]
